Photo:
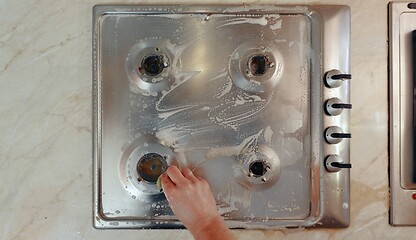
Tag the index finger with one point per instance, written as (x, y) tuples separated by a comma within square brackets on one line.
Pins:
[(175, 175)]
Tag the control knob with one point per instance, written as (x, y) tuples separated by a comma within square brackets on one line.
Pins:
[(335, 78), (334, 135), (334, 163), (334, 106)]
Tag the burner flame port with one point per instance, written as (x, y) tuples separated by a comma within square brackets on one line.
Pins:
[(258, 168), (259, 64), (152, 65)]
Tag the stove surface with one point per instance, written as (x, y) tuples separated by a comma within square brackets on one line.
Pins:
[(234, 93)]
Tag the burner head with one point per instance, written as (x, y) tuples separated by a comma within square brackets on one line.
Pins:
[(148, 66), (151, 166), (255, 68), (142, 162), (258, 65), (261, 167), (258, 168), (152, 65)]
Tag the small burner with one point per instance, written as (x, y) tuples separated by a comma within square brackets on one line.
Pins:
[(261, 166), (258, 168), (258, 65), (152, 65), (151, 166)]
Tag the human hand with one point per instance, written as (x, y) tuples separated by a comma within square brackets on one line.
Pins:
[(189, 197), (192, 201)]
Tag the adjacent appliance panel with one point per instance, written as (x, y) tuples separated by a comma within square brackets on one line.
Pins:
[(402, 40)]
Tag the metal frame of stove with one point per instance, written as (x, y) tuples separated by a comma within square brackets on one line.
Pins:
[(330, 206)]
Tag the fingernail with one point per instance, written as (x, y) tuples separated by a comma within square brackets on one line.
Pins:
[(159, 183)]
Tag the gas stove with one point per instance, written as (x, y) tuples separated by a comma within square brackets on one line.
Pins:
[(253, 98)]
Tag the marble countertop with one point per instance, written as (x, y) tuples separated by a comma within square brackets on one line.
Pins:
[(46, 139)]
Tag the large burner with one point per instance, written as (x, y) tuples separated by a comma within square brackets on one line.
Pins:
[(151, 166)]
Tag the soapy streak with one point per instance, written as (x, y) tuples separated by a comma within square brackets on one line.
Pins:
[(225, 89), (247, 99), (180, 77), (213, 153), (171, 111), (268, 133), (243, 116), (269, 8), (260, 21), (223, 73), (276, 25), (229, 196), (165, 113), (186, 76)]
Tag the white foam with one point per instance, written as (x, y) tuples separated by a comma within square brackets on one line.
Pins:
[(276, 25), (246, 20)]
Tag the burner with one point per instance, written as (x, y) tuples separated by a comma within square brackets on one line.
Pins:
[(258, 168), (142, 162), (151, 166), (256, 69), (258, 65), (152, 65), (261, 166), (148, 65)]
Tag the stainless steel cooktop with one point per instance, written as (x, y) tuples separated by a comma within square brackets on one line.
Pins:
[(252, 98)]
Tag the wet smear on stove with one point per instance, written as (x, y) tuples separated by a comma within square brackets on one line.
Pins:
[(271, 21), (245, 20), (246, 143), (231, 199), (277, 24), (222, 109), (286, 207), (241, 110), (204, 116)]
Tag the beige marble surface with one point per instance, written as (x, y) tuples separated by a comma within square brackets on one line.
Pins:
[(45, 126)]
